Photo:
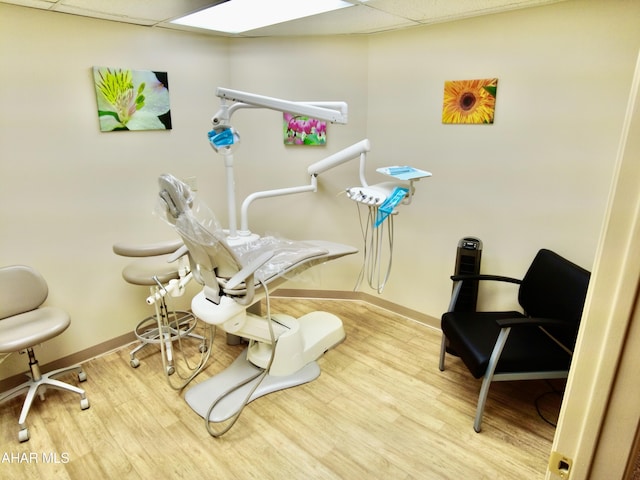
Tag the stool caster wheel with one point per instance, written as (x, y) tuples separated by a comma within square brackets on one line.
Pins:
[(135, 363), (23, 435), (203, 349), (82, 376), (171, 370), (84, 403)]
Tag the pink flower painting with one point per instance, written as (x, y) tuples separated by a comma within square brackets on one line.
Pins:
[(301, 130)]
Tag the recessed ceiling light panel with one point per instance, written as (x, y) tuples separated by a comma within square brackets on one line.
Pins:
[(237, 16)]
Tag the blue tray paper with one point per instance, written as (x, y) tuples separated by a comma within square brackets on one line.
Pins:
[(404, 172)]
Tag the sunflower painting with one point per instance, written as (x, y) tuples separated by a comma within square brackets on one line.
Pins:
[(469, 101)]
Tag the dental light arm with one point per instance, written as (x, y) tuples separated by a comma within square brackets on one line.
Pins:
[(334, 112), (357, 150)]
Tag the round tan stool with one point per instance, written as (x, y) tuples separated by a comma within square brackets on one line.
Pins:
[(152, 269)]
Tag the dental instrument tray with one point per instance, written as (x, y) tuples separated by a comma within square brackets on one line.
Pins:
[(373, 195), (404, 172)]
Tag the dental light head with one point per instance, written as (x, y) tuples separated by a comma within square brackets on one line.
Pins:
[(223, 138)]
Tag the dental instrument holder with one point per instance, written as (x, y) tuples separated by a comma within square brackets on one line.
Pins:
[(382, 200), (387, 195)]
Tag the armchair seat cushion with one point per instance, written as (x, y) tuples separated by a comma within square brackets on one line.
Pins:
[(472, 335)]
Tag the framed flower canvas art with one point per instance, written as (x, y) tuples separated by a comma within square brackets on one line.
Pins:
[(132, 99), (301, 130), (469, 101)]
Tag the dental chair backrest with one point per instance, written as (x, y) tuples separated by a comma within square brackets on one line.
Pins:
[(212, 260)]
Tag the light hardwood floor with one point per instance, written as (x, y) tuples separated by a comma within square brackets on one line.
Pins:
[(381, 409)]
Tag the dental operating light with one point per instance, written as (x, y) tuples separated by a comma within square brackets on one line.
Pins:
[(382, 199), (224, 138)]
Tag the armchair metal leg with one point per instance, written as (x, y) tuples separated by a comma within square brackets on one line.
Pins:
[(443, 348), (482, 399), (457, 286), (488, 377)]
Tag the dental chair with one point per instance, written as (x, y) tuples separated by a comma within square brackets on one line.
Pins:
[(282, 350), (25, 323), (154, 266)]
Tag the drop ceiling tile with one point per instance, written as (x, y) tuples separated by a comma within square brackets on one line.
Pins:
[(43, 4), (151, 11), (431, 11), (370, 16), (354, 20)]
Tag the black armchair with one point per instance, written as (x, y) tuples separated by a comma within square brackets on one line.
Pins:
[(536, 344)]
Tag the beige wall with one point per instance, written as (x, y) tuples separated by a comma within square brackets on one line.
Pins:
[(68, 191), (538, 177)]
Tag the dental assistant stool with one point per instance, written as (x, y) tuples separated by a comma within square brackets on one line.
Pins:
[(152, 269), (26, 323)]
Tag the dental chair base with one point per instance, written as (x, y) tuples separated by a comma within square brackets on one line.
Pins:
[(300, 342), (229, 389), (164, 327)]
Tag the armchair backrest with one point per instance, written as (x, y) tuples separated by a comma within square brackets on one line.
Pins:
[(554, 287), (22, 289)]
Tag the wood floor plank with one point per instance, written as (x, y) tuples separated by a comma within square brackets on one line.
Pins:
[(381, 409)]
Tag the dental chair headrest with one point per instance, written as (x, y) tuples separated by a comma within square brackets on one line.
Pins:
[(177, 195)]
